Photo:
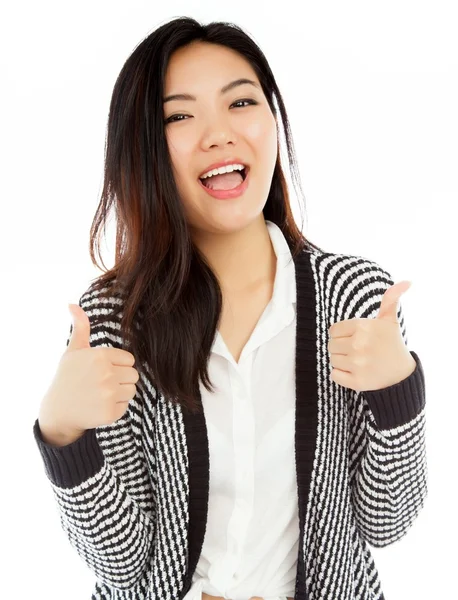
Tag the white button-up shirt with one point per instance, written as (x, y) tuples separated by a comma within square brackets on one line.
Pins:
[(251, 540)]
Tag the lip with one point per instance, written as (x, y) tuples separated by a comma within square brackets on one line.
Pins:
[(228, 194), (223, 163)]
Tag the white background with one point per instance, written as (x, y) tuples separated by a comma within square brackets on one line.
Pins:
[(371, 90)]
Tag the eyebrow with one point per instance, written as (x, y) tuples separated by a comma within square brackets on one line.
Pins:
[(223, 90)]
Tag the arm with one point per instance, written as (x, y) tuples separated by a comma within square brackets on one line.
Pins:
[(102, 486), (387, 452)]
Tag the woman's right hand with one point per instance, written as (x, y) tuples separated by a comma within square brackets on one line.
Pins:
[(91, 387)]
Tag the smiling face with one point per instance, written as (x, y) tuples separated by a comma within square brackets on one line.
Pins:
[(214, 127)]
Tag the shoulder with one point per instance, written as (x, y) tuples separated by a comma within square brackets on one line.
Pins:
[(348, 266), (352, 286), (103, 308)]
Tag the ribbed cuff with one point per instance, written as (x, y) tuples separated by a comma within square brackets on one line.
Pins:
[(68, 466), (400, 403)]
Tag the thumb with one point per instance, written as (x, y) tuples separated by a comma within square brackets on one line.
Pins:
[(81, 328)]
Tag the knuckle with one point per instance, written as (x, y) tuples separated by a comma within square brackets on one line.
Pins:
[(355, 344), (107, 394), (99, 357), (106, 377)]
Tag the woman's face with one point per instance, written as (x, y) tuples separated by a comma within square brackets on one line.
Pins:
[(215, 127)]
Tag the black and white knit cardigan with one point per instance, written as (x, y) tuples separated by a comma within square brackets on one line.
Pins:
[(133, 496)]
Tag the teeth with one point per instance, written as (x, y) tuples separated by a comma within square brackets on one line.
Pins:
[(226, 169)]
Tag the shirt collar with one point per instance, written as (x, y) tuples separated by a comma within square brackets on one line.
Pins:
[(284, 293)]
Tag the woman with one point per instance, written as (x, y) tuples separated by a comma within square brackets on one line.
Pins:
[(230, 462)]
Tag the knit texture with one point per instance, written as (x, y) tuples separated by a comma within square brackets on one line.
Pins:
[(133, 495)]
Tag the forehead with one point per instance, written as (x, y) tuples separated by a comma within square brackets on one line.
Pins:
[(203, 66)]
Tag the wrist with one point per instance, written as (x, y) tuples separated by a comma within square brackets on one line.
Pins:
[(57, 435)]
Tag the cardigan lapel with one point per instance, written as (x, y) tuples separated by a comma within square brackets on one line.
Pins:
[(305, 432)]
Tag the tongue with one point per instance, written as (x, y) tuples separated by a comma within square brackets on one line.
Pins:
[(226, 181)]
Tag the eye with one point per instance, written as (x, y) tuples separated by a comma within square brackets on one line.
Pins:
[(244, 100), (174, 119)]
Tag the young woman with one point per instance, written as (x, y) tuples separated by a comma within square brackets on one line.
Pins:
[(251, 452)]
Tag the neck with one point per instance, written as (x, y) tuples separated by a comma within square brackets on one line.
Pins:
[(241, 259)]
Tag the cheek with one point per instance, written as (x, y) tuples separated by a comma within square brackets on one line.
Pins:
[(262, 133), (180, 147), (181, 155), (256, 131)]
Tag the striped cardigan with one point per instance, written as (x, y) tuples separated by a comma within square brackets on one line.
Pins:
[(133, 495)]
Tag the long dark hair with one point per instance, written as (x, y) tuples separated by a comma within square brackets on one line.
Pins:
[(170, 295)]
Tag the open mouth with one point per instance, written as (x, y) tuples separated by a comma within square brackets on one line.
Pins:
[(243, 173)]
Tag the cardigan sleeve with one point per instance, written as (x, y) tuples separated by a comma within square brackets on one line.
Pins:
[(102, 487), (387, 450)]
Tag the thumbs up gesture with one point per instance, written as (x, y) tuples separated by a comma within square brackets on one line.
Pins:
[(91, 387), (370, 354)]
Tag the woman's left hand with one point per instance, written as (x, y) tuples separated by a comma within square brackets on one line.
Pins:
[(370, 354)]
